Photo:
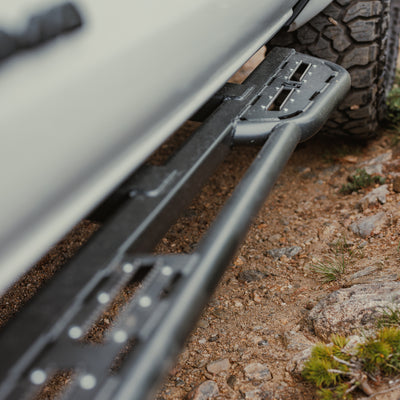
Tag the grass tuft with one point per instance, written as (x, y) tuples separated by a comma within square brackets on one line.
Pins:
[(389, 318), (331, 269)]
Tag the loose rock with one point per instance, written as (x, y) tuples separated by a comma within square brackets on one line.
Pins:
[(219, 366), (360, 276), (296, 341), (257, 371), (207, 390), (369, 225), (352, 309), (204, 324), (285, 251), (213, 338), (296, 363), (257, 394), (231, 381), (377, 195), (375, 166), (251, 275)]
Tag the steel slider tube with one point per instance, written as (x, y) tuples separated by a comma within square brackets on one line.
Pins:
[(231, 226), (207, 266)]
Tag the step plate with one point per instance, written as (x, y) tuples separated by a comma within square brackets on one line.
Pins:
[(303, 90)]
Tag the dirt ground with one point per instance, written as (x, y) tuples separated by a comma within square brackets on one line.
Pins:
[(262, 302)]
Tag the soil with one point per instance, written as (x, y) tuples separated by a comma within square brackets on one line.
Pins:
[(262, 302), (260, 299)]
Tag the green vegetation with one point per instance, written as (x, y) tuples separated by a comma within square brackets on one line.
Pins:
[(331, 269), (328, 369), (389, 318), (360, 179), (337, 371), (342, 246)]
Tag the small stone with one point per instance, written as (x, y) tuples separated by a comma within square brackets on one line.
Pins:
[(255, 338), (239, 261), (213, 338), (362, 274), (309, 305), (375, 166), (284, 258), (350, 159), (374, 169), (204, 324), (369, 225), (206, 391), (251, 275), (303, 170), (257, 371), (219, 313), (216, 367), (363, 244), (257, 298), (285, 251), (296, 341), (296, 363), (329, 172), (262, 343), (275, 238), (179, 381), (231, 381), (238, 304), (257, 394), (200, 363), (376, 195)]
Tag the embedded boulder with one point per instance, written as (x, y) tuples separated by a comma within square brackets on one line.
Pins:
[(347, 311)]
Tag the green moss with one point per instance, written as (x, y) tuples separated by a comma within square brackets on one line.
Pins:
[(360, 179), (339, 393), (374, 354), (381, 353), (318, 369), (337, 373), (339, 342)]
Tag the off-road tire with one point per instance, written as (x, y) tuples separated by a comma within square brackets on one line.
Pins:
[(363, 37)]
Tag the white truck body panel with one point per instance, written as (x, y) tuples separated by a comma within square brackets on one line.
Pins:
[(79, 114)]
